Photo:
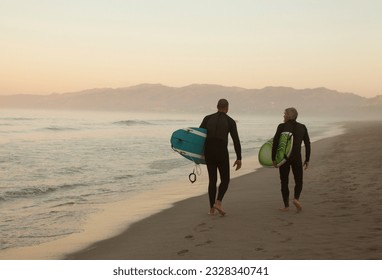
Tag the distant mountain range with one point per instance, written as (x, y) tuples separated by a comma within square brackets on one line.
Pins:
[(203, 99)]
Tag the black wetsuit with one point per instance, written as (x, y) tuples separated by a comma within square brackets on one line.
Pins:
[(218, 126), (300, 134)]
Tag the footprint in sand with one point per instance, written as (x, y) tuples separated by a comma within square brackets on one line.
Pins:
[(189, 237), (204, 243), (275, 232), (183, 252), (199, 228), (372, 249), (202, 227)]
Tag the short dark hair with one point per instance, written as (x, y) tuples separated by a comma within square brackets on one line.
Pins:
[(223, 103)]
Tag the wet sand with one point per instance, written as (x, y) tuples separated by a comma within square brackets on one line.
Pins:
[(341, 216)]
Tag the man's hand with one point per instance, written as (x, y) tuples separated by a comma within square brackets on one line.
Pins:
[(237, 164), (306, 165)]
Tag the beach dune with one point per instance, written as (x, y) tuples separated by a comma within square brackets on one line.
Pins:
[(341, 216)]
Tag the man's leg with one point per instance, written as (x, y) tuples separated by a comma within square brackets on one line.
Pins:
[(284, 178)]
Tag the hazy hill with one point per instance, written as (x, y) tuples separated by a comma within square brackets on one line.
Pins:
[(203, 99)]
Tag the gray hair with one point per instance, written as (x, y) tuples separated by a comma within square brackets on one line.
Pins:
[(292, 113)]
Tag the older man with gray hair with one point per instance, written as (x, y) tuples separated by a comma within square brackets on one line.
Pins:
[(300, 134)]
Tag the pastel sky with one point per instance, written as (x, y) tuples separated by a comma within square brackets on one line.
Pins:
[(56, 46)]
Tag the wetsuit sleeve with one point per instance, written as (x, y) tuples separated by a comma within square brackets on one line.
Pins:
[(306, 140), (276, 140), (235, 139)]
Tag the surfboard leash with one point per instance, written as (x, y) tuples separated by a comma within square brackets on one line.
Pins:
[(192, 176)]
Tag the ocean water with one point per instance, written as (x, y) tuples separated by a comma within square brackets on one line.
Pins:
[(58, 168)]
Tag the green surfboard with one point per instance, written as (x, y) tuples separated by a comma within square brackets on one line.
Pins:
[(284, 150)]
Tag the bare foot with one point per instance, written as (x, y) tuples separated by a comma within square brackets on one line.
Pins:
[(297, 204), (285, 209), (219, 208), (212, 212)]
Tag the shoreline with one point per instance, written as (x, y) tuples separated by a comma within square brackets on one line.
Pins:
[(98, 224), (70, 247), (342, 202), (113, 219)]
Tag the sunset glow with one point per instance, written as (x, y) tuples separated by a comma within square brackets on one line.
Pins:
[(63, 46)]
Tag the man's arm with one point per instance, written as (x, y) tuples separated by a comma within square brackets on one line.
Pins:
[(306, 140)]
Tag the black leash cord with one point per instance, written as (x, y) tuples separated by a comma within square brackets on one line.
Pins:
[(192, 177)]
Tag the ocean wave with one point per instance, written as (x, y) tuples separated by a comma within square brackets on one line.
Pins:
[(9, 121), (45, 235), (57, 128), (17, 119), (123, 177), (71, 203), (34, 191), (133, 122), (27, 192)]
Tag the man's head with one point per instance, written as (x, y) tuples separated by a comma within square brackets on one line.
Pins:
[(290, 114), (223, 105)]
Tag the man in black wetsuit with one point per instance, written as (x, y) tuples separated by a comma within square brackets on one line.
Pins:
[(300, 134), (218, 126)]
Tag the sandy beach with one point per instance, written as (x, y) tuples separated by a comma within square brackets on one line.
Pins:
[(341, 216)]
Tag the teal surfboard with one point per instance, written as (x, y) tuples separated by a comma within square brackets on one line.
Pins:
[(189, 142), (284, 150)]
